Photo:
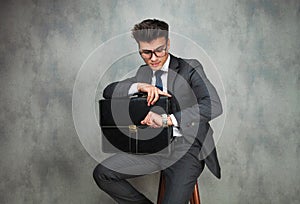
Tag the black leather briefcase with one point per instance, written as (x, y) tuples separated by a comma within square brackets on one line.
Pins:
[(122, 131)]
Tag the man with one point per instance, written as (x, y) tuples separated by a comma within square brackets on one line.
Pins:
[(194, 102)]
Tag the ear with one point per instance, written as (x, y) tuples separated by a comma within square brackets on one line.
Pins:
[(168, 44)]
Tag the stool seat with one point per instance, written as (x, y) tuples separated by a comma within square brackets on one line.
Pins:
[(195, 198)]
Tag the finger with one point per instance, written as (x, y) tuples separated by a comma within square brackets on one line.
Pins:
[(151, 97), (144, 121), (164, 93), (155, 126), (156, 97), (147, 118), (149, 122), (150, 93)]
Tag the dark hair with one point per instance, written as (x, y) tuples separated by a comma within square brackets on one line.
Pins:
[(149, 30)]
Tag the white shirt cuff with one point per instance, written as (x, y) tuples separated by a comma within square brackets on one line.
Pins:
[(174, 121), (133, 89)]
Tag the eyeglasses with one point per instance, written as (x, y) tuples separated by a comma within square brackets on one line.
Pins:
[(159, 52)]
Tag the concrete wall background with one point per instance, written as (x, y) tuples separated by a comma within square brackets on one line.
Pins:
[(255, 45)]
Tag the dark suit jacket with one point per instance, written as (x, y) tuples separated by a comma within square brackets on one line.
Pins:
[(194, 103)]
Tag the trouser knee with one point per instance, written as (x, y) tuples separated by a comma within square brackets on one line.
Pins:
[(101, 175)]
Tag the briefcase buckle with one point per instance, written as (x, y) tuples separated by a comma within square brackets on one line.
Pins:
[(132, 128)]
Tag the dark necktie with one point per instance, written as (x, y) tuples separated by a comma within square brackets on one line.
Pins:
[(159, 83)]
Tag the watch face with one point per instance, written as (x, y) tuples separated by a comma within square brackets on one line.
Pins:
[(164, 120)]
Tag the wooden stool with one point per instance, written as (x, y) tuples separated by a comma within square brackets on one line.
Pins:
[(195, 199)]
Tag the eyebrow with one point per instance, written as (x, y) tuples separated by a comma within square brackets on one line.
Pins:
[(154, 49)]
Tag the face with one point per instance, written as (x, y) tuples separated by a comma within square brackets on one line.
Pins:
[(160, 44)]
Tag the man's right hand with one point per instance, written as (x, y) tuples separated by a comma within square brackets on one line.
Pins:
[(152, 91)]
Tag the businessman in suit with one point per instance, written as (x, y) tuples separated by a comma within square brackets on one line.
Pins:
[(194, 102)]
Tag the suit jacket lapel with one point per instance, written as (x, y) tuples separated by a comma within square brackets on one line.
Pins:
[(146, 75), (172, 73)]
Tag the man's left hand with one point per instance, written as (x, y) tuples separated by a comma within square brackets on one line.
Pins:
[(153, 120)]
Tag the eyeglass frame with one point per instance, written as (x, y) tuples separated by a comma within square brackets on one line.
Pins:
[(154, 52)]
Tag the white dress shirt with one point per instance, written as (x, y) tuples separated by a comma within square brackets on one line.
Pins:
[(164, 77)]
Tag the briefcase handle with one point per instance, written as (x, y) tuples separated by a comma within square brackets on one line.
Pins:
[(139, 95)]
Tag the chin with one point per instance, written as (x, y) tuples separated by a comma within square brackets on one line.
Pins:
[(155, 68)]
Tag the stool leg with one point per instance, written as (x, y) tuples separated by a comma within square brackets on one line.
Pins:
[(195, 199), (192, 200), (161, 188)]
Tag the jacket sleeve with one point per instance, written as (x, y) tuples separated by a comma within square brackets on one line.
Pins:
[(118, 89), (121, 88), (208, 105)]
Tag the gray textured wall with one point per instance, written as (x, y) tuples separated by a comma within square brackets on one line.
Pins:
[(255, 45)]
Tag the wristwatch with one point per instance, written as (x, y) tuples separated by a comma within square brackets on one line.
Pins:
[(164, 120)]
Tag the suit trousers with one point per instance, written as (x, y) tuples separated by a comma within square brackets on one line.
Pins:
[(181, 169)]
